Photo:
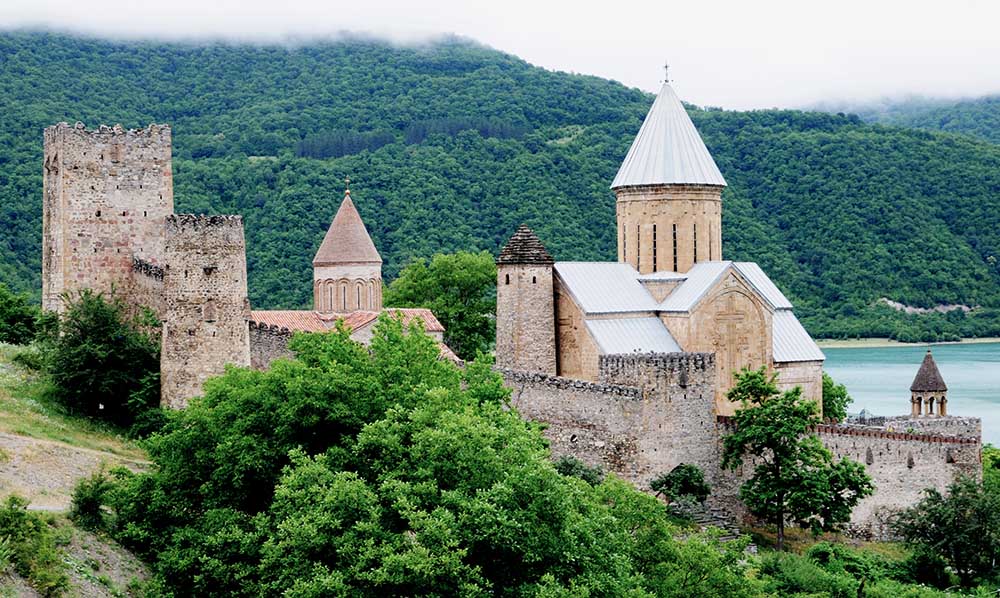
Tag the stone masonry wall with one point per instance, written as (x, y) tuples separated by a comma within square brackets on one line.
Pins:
[(205, 303), (268, 343), (106, 193), (525, 318), (947, 426), (648, 413), (901, 467)]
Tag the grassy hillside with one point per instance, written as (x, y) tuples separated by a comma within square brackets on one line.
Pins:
[(450, 146)]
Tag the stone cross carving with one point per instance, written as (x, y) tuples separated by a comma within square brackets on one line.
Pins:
[(730, 319)]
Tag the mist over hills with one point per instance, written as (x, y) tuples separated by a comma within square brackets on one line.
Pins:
[(451, 145)]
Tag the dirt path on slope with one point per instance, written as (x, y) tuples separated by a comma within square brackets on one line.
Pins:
[(45, 471)]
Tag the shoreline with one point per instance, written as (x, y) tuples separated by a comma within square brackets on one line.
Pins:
[(874, 343)]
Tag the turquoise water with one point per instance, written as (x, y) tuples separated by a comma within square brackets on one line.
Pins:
[(879, 379)]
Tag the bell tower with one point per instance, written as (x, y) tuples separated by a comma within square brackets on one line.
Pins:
[(669, 193)]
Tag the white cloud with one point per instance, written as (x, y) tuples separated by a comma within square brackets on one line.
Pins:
[(736, 54)]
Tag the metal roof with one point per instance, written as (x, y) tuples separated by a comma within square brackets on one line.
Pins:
[(700, 278), (632, 335), (760, 281), (790, 341), (605, 287), (668, 149), (662, 275)]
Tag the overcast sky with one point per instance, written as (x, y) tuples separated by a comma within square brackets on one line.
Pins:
[(733, 53)]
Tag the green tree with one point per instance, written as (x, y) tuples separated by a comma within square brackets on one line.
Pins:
[(835, 399), (103, 361), (684, 480), (991, 467), (17, 317), (962, 526), (796, 478), (460, 288)]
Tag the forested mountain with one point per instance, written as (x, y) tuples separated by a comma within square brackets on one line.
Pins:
[(451, 145), (979, 117)]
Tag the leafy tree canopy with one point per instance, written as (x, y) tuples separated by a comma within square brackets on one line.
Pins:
[(460, 289), (17, 317), (961, 526), (796, 478), (683, 480), (835, 399)]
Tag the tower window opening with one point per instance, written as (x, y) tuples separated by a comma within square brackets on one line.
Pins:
[(638, 246), (624, 244), (359, 296), (654, 248), (533, 280), (675, 248), (696, 243), (506, 279), (98, 214), (343, 297)]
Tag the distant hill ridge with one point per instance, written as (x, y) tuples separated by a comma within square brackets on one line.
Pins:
[(978, 117), (452, 145)]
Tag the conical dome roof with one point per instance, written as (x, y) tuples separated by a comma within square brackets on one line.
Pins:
[(668, 149), (524, 247), (347, 240), (928, 377)]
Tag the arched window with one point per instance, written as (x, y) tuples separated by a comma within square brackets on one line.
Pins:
[(371, 295), (343, 296)]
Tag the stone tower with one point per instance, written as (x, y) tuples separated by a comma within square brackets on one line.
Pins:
[(347, 269), (205, 306), (928, 388), (106, 193), (525, 312), (669, 193)]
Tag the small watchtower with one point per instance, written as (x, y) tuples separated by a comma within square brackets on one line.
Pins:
[(526, 331), (928, 387)]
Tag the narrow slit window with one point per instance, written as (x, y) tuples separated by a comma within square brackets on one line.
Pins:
[(675, 248), (654, 248), (696, 243)]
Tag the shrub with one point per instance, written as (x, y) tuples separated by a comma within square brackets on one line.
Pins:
[(88, 496), (31, 547), (685, 480), (17, 317), (571, 466), (791, 574), (103, 360)]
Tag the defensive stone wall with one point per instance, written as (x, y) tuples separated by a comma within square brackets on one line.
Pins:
[(145, 286), (949, 425), (205, 303), (268, 343), (106, 192), (647, 414), (901, 466)]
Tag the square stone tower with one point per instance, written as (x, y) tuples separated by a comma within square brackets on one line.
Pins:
[(106, 193)]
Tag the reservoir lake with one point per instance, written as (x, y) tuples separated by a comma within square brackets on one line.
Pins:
[(879, 378)]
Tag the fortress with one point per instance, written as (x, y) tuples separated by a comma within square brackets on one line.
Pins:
[(108, 224), (628, 362)]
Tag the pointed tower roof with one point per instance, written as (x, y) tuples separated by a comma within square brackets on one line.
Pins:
[(928, 377), (668, 149), (347, 239), (524, 248)]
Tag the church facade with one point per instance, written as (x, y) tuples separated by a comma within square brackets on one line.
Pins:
[(670, 290)]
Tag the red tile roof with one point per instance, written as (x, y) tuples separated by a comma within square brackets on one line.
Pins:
[(315, 321)]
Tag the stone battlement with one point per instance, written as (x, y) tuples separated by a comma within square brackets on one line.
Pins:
[(145, 268), (729, 423), (158, 132), (520, 378), (196, 221)]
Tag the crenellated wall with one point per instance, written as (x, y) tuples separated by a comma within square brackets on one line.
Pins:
[(205, 303), (647, 414)]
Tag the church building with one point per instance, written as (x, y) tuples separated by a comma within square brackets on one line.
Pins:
[(347, 289), (670, 291)]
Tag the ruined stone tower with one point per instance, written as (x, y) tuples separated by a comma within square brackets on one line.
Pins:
[(106, 193), (347, 269), (205, 306), (669, 194), (928, 388), (525, 312)]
